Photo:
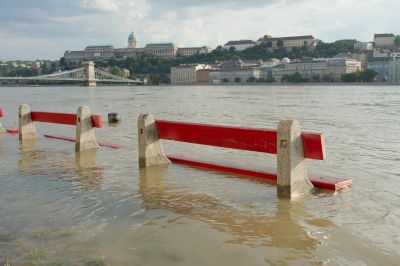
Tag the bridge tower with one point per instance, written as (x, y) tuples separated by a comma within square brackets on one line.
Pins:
[(90, 79)]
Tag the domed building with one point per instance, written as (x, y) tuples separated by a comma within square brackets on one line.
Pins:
[(132, 43), (106, 52)]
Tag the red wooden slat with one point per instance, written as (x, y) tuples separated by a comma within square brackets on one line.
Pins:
[(56, 118), (102, 144), (12, 131), (313, 145), (250, 139), (1, 112), (62, 118), (97, 121), (330, 183)]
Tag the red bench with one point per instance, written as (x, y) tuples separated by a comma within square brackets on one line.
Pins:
[(249, 139), (65, 119), (2, 130), (83, 120)]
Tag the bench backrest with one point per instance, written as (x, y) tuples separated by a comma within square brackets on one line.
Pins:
[(62, 118), (242, 138)]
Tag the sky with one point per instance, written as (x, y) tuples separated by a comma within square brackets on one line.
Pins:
[(44, 29)]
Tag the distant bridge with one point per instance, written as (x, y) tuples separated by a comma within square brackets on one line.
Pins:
[(87, 74)]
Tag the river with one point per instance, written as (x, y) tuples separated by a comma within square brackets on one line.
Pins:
[(98, 208)]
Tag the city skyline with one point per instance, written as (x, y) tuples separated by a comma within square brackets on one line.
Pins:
[(45, 29)]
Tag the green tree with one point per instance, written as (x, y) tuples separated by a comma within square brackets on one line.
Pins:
[(326, 78), (279, 43), (251, 80), (316, 78), (397, 40), (62, 61), (117, 71), (368, 75), (350, 77), (225, 80), (269, 44), (238, 80)]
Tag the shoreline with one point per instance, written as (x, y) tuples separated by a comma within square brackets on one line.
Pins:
[(215, 85)]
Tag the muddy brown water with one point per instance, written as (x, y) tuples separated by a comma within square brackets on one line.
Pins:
[(98, 208)]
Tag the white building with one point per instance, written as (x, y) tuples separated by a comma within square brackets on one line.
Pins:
[(394, 70), (239, 45), (363, 46), (186, 74), (215, 77), (106, 52), (317, 69)]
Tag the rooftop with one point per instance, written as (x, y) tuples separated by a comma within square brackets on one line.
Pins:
[(240, 42), (160, 44), (200, 47), (132, 37), (377, 35), (291, 38), (109, 46)]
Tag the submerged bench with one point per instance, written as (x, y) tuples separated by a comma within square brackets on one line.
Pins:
[(83, 120), (290, 144)]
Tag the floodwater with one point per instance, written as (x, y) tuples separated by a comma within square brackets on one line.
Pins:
[(98, 208)]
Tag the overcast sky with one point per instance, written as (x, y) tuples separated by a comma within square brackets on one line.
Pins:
[(44, 29)]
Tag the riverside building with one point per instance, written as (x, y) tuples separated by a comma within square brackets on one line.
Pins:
[(187, 74), (381, 66), (394, 70), (236, 72), (318, 69), (104, 52)]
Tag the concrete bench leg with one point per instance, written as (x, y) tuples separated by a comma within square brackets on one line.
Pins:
[(2, 130), (27, 129), (150, 149), (85, 139), (293, 179)]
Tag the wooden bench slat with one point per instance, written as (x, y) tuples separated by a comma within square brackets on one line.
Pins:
[(63, 118), (250, 139), (329, 183), (102, 144), (55, 118)]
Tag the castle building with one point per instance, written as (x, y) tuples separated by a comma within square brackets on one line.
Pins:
[(132, 42), (290, 42), (104, 52), (239, 45)]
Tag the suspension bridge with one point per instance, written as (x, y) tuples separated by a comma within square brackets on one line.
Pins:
[(88, 75)]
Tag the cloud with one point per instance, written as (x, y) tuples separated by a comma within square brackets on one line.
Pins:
[(46, 28), (101, 5)]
